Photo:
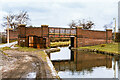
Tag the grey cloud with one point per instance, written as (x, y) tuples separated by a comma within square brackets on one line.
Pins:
[(73, 5), (61, 13)]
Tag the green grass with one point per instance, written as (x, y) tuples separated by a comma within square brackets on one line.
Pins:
[(42, 55), (12, 41), (5, 48), (2, 43), (53, 50), (112, 48), (16, 45), (26, 49), (57, 44)]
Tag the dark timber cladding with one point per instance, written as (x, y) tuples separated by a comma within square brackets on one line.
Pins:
[(39, 37)]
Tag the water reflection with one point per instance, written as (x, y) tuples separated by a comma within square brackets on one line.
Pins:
[(119, 69), (78, 64)]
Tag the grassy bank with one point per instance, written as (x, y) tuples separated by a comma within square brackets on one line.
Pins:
[(105, 48), (52, 50), (24, 49), (2, 43), (59, 39), (59, 44)]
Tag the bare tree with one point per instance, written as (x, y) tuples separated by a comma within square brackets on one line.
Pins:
[(15, 19), (85, 25), (72, 24), (106, 26), (88, 25)]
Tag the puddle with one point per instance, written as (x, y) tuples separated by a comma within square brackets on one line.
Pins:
[(31, 75)]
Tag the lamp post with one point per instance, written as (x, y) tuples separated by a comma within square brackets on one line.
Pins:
[(115, 28), (7, 30)]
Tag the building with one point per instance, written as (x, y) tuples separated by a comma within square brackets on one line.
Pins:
[(3, 37)]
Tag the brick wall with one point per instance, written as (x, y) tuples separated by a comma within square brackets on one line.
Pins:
[(24, 32), (90, 42), (33, 31), (82, 37), (91, 37), (13, 35), (91, 34)]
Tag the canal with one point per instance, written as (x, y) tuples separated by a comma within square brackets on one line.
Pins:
[(79, 64)]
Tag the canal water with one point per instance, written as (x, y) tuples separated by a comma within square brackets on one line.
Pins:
[(79, 64)]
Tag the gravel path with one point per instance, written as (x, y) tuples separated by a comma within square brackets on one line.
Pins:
[(18, 64)]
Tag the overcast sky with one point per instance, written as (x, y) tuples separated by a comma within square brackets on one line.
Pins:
[(62, 12)]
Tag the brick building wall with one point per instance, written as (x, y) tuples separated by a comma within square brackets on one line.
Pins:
[(91, 37), (13, 35), (81, 37), (25, 32), (33, 31)]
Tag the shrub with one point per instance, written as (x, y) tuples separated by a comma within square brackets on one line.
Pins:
[(48, 47), (16, 45), (103, 45)]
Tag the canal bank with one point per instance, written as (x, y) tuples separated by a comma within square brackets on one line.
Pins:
[(26, 63), (109, 49), (83, 64)]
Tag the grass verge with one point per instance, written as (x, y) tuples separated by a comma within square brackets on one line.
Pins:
[(59, 44), (110, 48), (2, 43), (5, 48), (52, 50), (26, 49), (42, 55)]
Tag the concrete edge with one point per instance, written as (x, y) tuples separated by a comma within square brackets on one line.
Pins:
[(98, 51), (52, 50), (54, 73), (1, 64)]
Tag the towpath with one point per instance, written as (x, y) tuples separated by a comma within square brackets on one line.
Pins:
[(19, 64)]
